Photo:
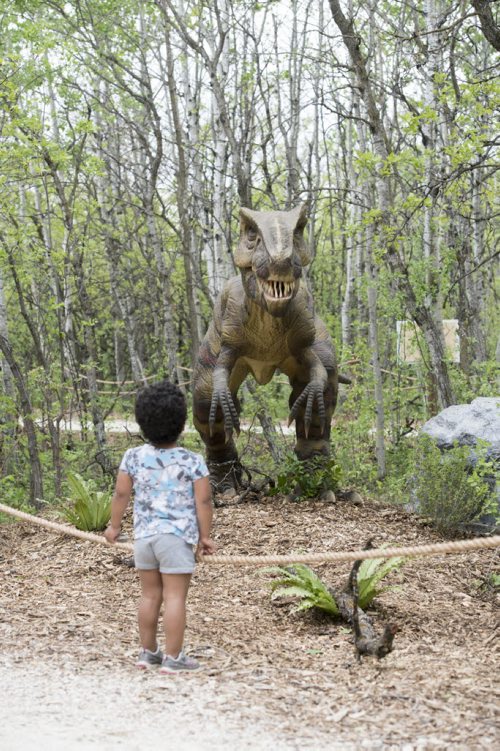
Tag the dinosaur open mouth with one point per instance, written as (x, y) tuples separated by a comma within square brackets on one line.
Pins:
[(277, 290)]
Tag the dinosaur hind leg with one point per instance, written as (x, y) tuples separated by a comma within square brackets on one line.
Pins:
[(221, 453), (317, 440)]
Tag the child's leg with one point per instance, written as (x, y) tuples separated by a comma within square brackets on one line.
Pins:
[(175, 589), (149, 607)]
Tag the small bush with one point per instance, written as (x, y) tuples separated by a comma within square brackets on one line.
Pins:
[(14, 491), (309, 478), (92, 507), (448, 489)]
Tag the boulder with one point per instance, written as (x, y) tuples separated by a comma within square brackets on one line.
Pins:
[(465, 425)]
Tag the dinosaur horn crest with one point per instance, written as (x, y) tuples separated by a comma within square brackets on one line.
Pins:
[(301, 212), (244, 251)]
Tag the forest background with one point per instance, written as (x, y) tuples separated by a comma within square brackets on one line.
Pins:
[(130, 134)]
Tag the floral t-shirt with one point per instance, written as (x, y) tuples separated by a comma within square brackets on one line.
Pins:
[(163, 490)]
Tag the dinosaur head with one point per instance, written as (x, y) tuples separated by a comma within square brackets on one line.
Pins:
[(271, 255)]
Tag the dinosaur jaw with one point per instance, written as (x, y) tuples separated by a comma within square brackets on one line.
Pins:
[(272, 295), (276, 290)]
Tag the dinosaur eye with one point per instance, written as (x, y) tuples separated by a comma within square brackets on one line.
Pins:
[(253, 238)]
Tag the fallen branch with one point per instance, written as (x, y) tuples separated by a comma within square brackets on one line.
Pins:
[(366, 639)]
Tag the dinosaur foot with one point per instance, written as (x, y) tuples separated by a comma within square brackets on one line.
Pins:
[(226, 478)]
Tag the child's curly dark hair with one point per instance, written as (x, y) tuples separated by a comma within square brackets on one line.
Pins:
[(161, 411)]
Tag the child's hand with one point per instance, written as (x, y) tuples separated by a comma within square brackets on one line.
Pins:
[(112, 533), (206, 546)]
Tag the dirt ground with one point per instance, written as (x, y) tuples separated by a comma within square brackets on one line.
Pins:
[(273, 679)]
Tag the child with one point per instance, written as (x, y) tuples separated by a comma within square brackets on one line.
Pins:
[(172, 512)]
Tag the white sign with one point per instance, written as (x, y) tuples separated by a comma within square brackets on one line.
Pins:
[(409, 337)]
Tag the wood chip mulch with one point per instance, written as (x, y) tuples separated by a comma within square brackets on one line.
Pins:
[(73, 600)]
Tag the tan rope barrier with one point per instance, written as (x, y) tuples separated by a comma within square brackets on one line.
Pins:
[(63, 529), (438, 548)]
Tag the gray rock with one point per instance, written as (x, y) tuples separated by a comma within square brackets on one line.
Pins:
[(465, 424), (352, 496)]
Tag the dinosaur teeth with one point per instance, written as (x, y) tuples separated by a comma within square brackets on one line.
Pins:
[(277, 290)]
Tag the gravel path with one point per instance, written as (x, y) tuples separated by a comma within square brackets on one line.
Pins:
[(118, 425), (48, 707)]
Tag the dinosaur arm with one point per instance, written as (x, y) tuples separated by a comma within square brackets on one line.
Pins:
[(225, 338), (313, 392), (221, 394)]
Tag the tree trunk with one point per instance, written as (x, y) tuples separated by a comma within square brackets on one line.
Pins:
[(490, 29), (102, 456), (182, 197), (375, 358), (9, 419), (36, 477), (419, 311)]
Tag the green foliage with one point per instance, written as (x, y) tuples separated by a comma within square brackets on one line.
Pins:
[(309, 478), (488, 585), (14, 492), (352, 437), (370, 574), (481, 381), (300, 581), (448, 489), (92, 508), (66, 205), (494, 581)]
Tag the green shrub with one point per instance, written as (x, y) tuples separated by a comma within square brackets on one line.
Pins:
[(448, 489), (92, 508), (14, 491), (309, 478)]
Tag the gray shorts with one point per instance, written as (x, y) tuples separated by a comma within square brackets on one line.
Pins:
[(169, 553)]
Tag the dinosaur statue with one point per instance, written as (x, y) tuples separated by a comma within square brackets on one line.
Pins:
[(264, 321)]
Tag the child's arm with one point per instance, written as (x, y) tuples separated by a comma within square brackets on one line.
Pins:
[(119, 503), (204, 513)]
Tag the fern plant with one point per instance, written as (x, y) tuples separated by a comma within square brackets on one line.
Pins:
[(370, 574), (300, 581), (91, 510)]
